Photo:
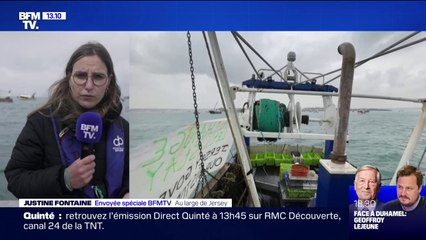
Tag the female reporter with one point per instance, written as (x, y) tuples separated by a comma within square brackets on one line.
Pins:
[(47, 160)]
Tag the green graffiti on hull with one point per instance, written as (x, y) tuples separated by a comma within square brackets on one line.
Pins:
[(171, 155)]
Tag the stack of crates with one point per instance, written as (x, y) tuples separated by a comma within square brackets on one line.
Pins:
[(301, 186)]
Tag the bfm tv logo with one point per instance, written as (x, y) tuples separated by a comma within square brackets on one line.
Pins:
[(29, 19), (89, 130)]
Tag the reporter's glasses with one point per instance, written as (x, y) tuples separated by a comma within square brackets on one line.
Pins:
[(98, 79)]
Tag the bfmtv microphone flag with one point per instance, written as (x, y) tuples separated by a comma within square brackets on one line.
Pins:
[(89, 131)]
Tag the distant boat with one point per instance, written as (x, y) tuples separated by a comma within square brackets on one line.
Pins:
[(363, 110), (27, 96), (5, 98), (215, 110)]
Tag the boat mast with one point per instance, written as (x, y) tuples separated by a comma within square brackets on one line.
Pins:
[(228, 103)]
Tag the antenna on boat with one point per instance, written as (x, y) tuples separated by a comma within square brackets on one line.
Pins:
[(290, 74)]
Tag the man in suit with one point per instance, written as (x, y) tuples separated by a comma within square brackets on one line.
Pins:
[(409, 181)]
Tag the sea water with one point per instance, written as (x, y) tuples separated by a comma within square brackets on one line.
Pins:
[(376, 137)]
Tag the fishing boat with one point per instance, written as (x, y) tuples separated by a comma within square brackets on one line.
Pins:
[(251, 157), (26, 96), (5, 97), (363, 111), (215, 110)]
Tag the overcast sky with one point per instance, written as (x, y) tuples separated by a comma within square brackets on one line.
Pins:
[(160, 76), (33, 61)]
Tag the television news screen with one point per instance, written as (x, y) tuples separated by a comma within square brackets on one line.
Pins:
[(212, 119)]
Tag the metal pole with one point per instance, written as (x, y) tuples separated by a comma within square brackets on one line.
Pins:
[(299, 92), (228, 103), (412, 143), (344, 107)]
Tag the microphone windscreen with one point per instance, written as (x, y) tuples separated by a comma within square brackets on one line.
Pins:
[(89, 127)]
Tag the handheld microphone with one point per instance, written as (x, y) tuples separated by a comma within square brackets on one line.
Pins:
[(88, 131)]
